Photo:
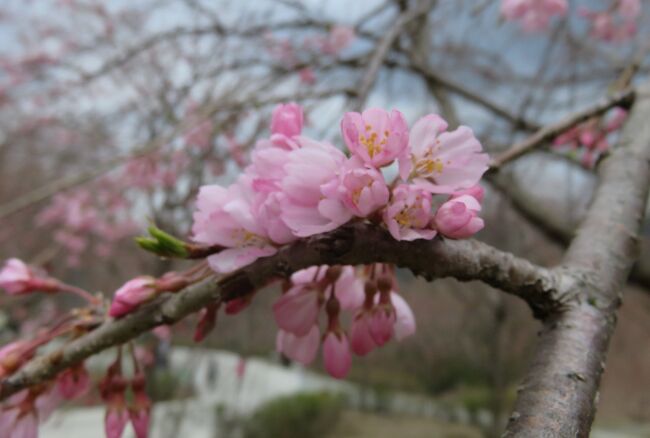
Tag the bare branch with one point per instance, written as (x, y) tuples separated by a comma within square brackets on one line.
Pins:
[(559, 393), (358, 243), (384, 45)]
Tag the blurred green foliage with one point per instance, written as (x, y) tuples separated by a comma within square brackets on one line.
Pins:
[(301, 415)]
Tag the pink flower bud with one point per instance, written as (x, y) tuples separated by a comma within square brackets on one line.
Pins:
[(18, 278), (457, 218), (381, 323), (73, 382), (140, 412), (336, 354), (130, 296), (287, 120), (361, 340)]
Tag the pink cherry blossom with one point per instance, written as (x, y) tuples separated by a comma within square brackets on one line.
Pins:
[(404, 318), (376, 136), (304, 209), (224, 217), (361, 340), (381, 322), (441, 161), (614, 24), (361, 188), (74, 382), (336, 354), (296, 311), (534, 15), (476, 192), (17, 278), (287, 120), (115, 421), (338, 39), (140, 410), (301, 349), (349, 289), (132, 294), (457, 218), (408, 215)]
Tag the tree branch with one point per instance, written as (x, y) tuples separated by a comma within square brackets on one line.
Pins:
[(560, 231), (357, 243), (549, 132), (559, 393), (384, 45)]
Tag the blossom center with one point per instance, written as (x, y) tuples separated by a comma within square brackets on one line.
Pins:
[(371, 141)]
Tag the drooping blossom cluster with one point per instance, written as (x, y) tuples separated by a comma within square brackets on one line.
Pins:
[(589, 140), (378, 314), (21, 413), (615, 24), (297, 187), (534, 15)]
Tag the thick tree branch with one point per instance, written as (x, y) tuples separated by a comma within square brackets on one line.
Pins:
[(551, 131), (558, 230), (357, 243), (559, 393)]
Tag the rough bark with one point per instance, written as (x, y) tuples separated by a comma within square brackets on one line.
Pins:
[(559, 394)]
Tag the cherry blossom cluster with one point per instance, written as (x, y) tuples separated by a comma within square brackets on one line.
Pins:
[(534, 15), (378, 312), (21, 413), (297, 187), (617, 23), (89, 219), (590, 139)]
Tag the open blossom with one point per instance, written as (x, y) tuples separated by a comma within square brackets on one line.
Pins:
[(132, 294), (304, 209), (225, 217), (441, 161), (18, 278), (457, 218), (408, 215), (376, 136), (361, 188), (534, 15), (296, 311)]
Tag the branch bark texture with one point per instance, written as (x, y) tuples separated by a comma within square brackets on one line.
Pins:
[(559, 394)]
